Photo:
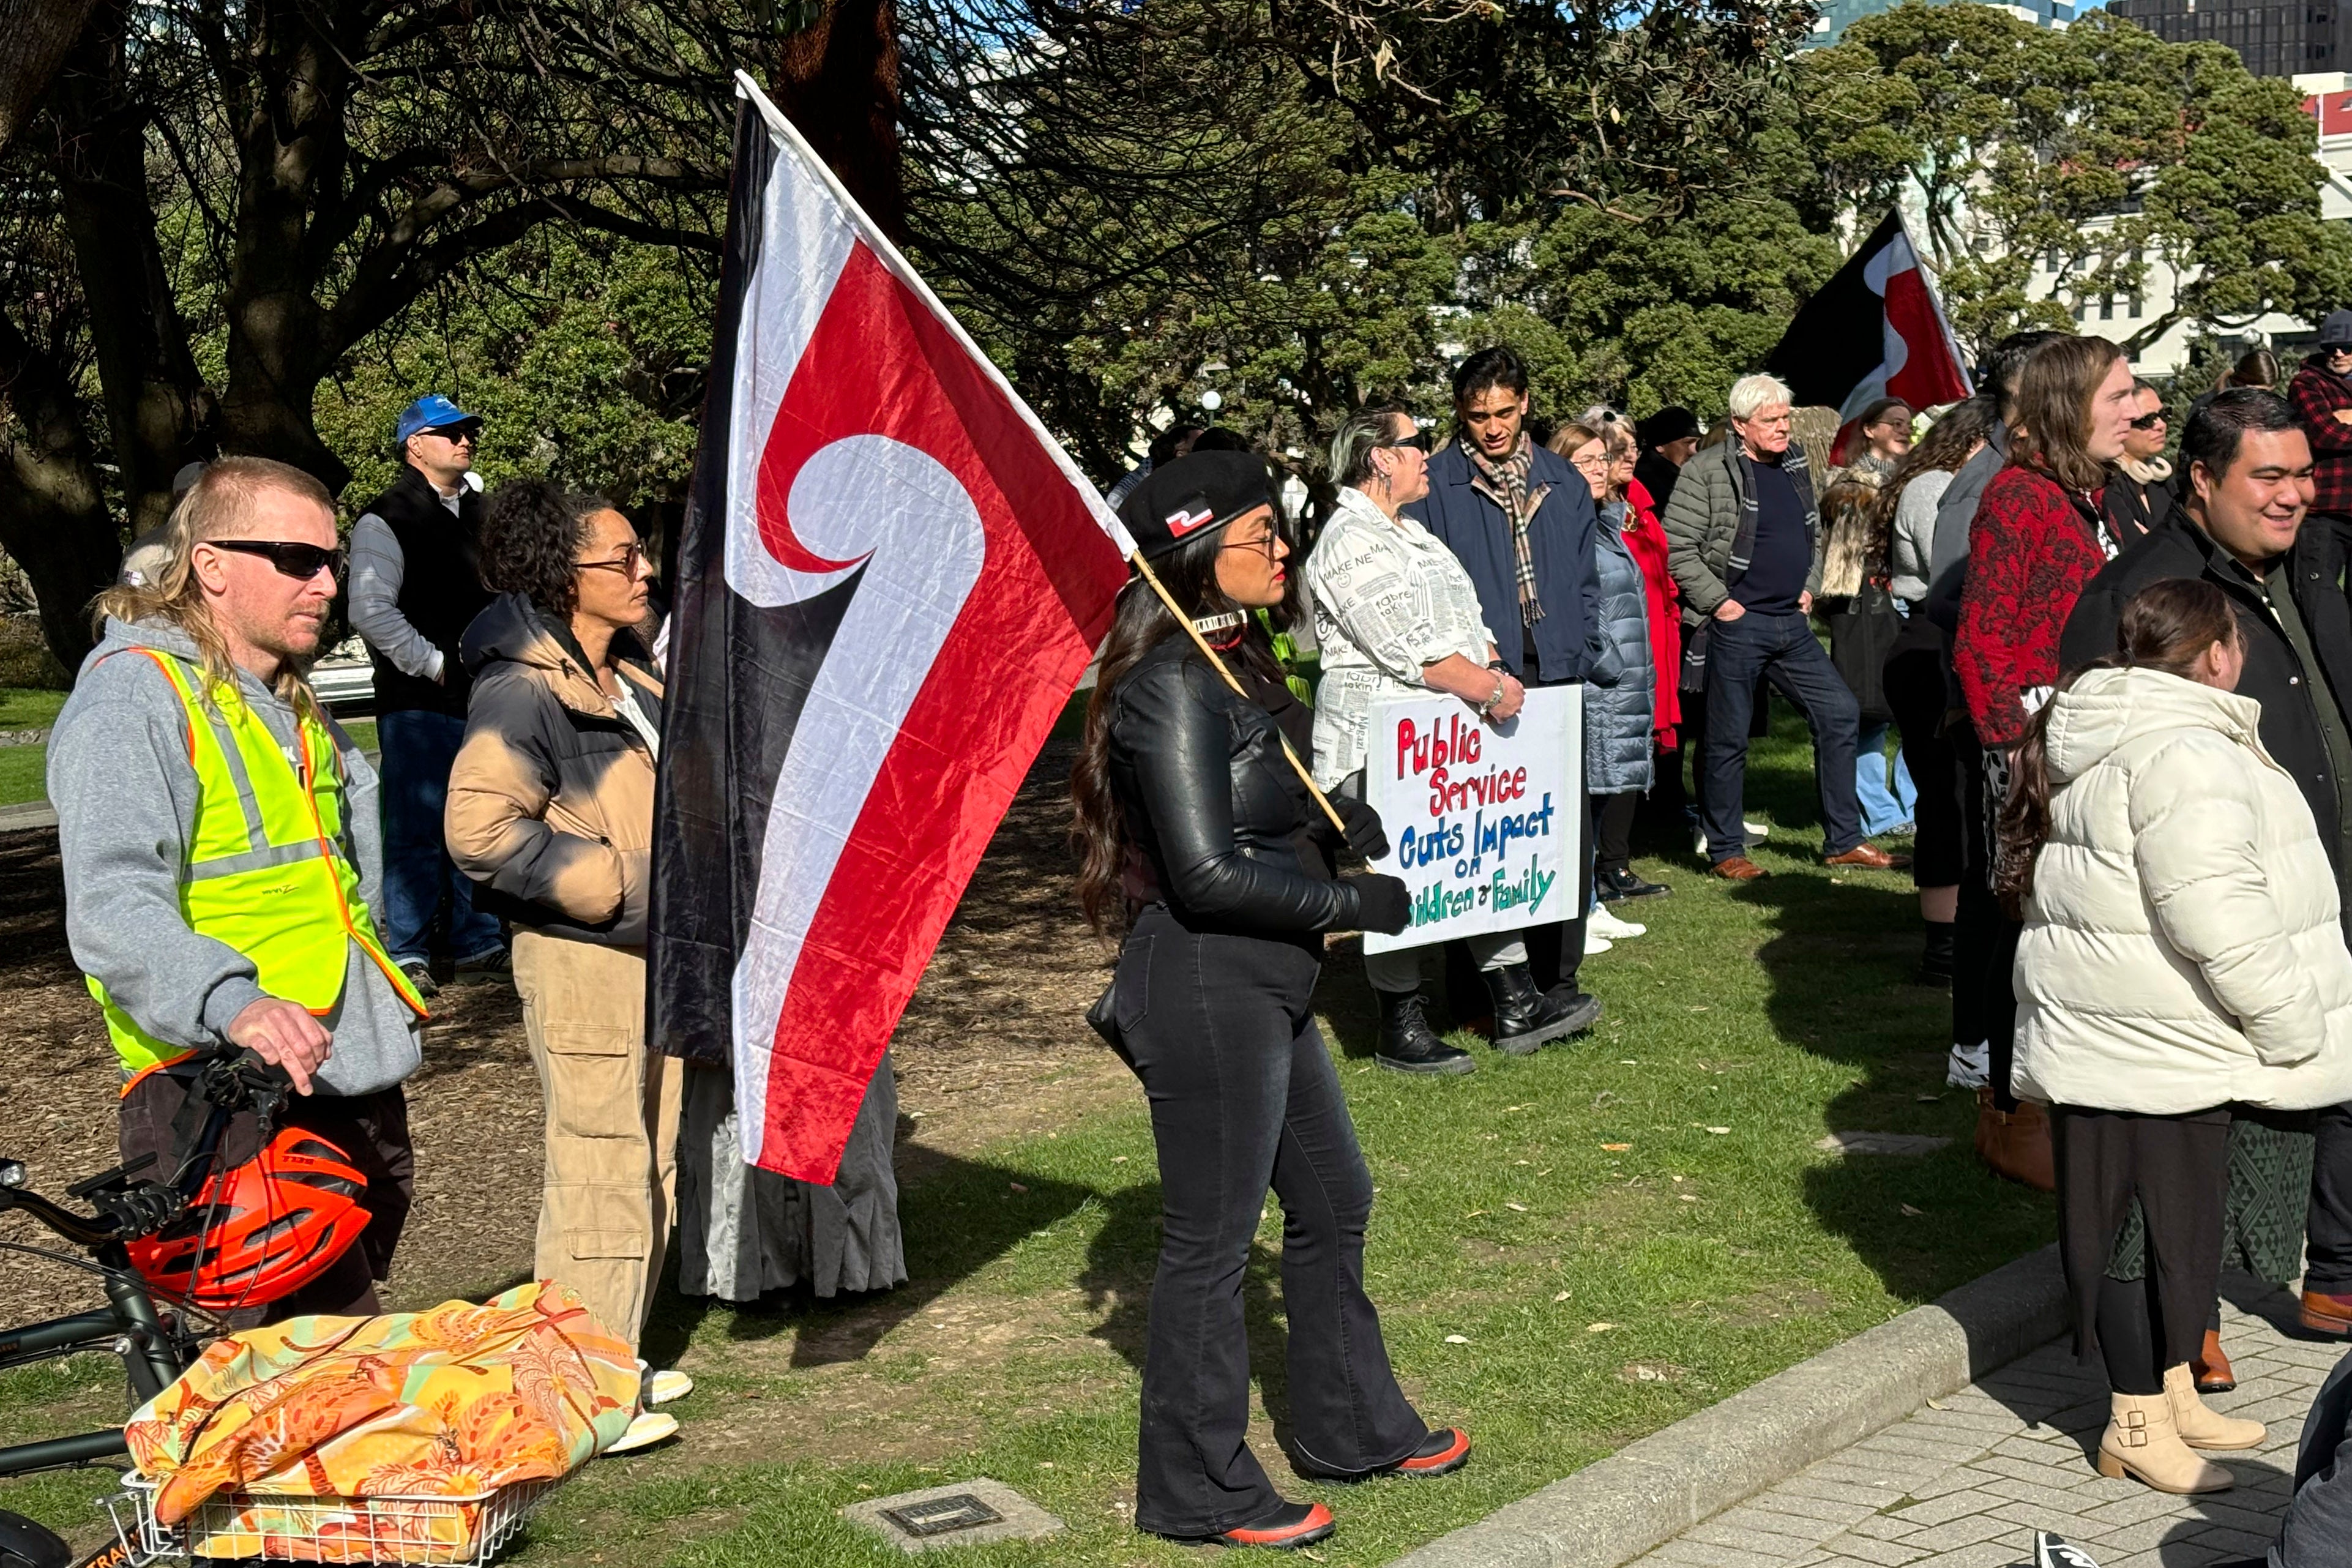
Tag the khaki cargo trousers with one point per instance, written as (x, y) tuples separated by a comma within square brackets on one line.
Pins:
[(605, 1206)]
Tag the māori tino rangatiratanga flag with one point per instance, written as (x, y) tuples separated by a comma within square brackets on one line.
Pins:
[(889, 580), (1875, 330)]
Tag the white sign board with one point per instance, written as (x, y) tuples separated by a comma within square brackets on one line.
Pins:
[(1485, 823)]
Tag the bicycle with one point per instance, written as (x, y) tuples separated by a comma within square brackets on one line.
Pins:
[(155, 1344)]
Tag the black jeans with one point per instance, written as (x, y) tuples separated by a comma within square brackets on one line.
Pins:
[(1612, 829), (1915, 691), (2328, 1226), (1221, 1030), (1984, 943), (1780, 648)]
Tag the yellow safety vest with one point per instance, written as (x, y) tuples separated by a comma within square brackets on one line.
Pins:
[(265, 872)]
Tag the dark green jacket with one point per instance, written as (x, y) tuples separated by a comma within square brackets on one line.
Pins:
[(1704, 522)]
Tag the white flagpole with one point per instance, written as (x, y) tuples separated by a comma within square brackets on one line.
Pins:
[(788, 135)]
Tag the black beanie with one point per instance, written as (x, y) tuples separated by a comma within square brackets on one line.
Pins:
[(1666, 425), (1177, 500)]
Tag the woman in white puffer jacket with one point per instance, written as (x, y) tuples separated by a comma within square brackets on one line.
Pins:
[(2182, 953)]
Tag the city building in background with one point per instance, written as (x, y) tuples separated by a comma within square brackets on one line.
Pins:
[(2274, 37), (1837, 16)]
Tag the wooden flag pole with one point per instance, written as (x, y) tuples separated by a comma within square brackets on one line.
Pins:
[(1217, 664)]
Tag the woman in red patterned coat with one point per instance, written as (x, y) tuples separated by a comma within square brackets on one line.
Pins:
[(2038, 539)]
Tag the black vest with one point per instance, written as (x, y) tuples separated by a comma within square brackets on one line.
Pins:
[(441, 589)]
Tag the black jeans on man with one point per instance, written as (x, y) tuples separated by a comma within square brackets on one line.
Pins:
[(1221, 1030), (2327, 1227), (1782, 650)]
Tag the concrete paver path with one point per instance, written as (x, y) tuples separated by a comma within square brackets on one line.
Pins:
[(1967, 1485)]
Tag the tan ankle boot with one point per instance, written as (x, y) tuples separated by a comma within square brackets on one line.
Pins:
[(2141, 1441), (2202, 1428)]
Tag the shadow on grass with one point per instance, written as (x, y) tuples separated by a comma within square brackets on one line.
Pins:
[(958, 1217), (1842, 963)]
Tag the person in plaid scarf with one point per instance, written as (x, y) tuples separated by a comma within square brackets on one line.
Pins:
[(1522, 522)]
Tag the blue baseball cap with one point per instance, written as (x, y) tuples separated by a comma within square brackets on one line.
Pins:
[(432, 412)]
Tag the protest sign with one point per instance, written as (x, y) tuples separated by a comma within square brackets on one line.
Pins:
[(1486, 822)]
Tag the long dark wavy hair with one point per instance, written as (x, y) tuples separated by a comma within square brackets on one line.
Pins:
[(1099, 823), (1946, 444), (2167, 626), (532, 533)]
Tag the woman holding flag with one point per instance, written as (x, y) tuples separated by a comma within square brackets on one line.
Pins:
[(1196, 828)]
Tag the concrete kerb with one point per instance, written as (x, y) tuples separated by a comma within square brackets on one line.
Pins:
[(1647, 1493)]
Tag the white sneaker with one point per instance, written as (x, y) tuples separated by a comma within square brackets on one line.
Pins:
[(1970, 1066), (1607, 926), (1593, 945), (669, 1383), (1758, 834), (643, 1433)]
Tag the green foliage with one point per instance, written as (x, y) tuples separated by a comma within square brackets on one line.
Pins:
[(2102, 149), (583, 355)]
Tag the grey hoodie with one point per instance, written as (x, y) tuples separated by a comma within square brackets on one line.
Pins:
[(125, 794)]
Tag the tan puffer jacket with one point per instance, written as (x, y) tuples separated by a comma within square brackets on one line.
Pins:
[(2181, 949), (552, 798)]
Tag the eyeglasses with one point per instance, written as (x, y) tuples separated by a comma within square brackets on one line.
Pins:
[(303, 561), (453, 434), (2148, 421), (1418, 441), (1262, 546), (632, 556)]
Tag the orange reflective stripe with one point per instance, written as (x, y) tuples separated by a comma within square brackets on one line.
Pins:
[(134, 1079), (342, 907)]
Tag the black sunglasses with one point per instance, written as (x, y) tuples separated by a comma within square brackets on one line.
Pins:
[(298, 561), (1418, 441), (627, 563), (2148, 421)]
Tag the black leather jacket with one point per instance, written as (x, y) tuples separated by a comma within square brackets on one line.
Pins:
[(1214, 804)]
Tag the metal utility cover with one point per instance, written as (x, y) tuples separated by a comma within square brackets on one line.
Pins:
[(962, 1513)]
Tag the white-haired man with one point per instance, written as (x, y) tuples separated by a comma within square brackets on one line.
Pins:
[(1744, 543), (219, 841)]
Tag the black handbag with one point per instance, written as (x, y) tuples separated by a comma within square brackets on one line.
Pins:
[(1863, 630)]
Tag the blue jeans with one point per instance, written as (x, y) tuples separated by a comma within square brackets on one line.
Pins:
[(418, 749), (1782, 649), (1886, 805)]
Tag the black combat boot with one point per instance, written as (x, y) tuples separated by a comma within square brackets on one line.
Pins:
[(1407, 1042), (1523, 1016)]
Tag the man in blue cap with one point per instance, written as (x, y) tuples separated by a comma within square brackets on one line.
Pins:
[(417, 584)]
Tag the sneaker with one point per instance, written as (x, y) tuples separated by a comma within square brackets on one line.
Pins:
[(664, 1387), (1287, 1529), (420, 975), (496, 965), (2052, 1552), (1594, 943), (1970, 1066), (643, 1431), (1608, 927), (1757, 834)]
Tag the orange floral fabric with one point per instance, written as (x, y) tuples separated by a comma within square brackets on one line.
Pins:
[(452, 1403)]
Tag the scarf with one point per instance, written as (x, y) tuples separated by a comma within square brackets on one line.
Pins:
[(1505, 484)]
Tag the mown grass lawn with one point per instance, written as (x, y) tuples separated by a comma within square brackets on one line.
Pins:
[(22, 769), (1557, 1294)]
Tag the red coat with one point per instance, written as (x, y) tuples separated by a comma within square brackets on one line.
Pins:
[(1647, 543), (2030, 552)]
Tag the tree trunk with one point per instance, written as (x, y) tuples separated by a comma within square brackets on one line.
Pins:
[(290, 146), (838, 82), (39, 32), (156, 400), (53, 516)]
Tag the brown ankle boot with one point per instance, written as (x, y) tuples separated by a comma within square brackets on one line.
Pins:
[(2016, 1144), (2202, 1428), (2214, 1374), (2142, 1442)]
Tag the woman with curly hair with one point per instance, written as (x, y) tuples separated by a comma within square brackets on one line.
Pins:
[(550, 810)]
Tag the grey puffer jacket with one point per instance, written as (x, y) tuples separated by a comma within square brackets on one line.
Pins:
[(1621, 694)]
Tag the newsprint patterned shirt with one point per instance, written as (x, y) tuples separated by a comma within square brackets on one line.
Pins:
[(1389, 599)]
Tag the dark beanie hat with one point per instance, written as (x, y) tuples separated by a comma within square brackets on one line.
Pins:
[(2336, 330), (1666, 425), (1177, 500)]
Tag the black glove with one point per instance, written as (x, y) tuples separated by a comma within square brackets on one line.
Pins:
[(1366, 837), (1382, 903)]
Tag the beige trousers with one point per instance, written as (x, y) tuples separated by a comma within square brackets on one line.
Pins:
[(605, 1210)]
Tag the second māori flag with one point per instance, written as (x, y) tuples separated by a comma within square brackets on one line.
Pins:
[(1875, 330), (889, 580)]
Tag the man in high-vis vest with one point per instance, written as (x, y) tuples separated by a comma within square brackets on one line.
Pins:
[(222, 863)]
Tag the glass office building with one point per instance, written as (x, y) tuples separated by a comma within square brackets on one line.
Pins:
[(2272, 38)]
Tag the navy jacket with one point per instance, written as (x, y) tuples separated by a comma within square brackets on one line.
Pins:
[(1560, 538)]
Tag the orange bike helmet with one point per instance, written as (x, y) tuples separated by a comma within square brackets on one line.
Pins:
[(262, 1230)]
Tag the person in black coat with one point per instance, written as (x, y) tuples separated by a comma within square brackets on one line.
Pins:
[(2247, 491), (1194, 826)]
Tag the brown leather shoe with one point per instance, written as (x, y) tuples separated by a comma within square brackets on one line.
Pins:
[(1869, 858), (2016, 1144), (1738, 868), (2326, 1313), (2211, 1368)]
